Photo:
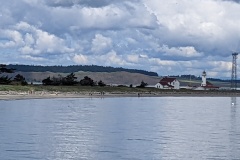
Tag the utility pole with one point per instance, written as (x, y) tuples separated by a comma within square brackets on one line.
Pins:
[(234, 72)]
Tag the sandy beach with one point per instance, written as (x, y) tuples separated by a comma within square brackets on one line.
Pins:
[(13, 95)]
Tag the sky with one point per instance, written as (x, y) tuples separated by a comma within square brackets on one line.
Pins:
[(170, 37)]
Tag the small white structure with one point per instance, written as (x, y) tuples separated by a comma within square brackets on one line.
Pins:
[(204, 79), (200, 88), (168, 83)]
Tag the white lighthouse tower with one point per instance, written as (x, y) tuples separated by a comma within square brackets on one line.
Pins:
[(204, 79)]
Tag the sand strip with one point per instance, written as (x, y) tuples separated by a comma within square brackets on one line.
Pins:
[(46, 95)]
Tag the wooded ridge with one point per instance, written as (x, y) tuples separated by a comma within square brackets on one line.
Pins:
[(76, 68)]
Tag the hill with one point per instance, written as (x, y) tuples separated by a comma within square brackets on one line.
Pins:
[(124, 78), (108, 75), (76, 68)]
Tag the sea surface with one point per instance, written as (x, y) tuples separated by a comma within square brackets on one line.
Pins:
[(163, 128)]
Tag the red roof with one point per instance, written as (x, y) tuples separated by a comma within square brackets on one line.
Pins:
[(210, 85), (167, 79), (166, 84)]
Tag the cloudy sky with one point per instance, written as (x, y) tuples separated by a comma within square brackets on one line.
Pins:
[(170, 37)]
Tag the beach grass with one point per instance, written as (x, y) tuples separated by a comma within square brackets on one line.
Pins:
[(109, 90), (76, 88), (14, 88)]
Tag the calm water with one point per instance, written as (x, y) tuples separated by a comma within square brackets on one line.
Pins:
[(120, 128)]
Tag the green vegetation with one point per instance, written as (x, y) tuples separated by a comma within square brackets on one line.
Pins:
[(5, 80), (112, 90), (101, 83), (4, 69), (87, 81), (142, 85), (74, 88), (18, 80), (16, 88), (77, 68)]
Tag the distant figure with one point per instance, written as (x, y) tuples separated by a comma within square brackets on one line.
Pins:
[(138, 94), (31, 91)]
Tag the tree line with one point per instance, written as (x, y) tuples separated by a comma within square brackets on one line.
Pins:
[(71, 80), (77, 68), (17, 80)]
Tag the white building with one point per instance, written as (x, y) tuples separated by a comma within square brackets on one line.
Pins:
[(204, 79), (205, 85), (168, 83)]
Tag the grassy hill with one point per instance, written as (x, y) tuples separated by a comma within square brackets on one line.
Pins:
[(124, 78), (112, 78), (186, 82)]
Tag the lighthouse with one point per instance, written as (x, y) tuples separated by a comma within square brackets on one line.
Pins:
[(204, 79)]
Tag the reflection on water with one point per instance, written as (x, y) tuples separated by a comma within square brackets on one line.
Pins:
[(120, 128), (234, 132), (234, 101)]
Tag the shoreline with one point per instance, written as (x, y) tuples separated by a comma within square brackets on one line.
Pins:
[(7, 95)]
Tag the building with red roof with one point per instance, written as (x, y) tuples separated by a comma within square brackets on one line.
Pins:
[(168, 83)]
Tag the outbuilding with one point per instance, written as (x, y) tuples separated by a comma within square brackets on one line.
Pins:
[(168, 83)]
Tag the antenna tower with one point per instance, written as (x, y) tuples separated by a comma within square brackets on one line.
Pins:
[(234, 72)]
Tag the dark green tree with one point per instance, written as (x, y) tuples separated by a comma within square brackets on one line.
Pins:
[(86, 81), (56, 81), (20, 79), (4, 69), (69, 79), (101, 83), (47, 81), (5, 80), (142, 85)]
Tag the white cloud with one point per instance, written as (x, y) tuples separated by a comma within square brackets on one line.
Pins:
[(11, 38), (80, 59), (49, 43), (29, 51), (31, 58), (188, 51), (114, 59), (101, 44), (32, 40), (88, 3), (170, 37), (133, 58), (29, 40)]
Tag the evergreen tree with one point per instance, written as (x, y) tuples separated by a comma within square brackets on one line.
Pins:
[(20, 79), (142, 85), (5, 80), (4, 69), (70, 79), (86, 81), (101, 83), (47, 81)]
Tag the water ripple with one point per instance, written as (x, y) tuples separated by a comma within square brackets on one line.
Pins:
[(182, 128)]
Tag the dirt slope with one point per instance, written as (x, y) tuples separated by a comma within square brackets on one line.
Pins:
[(124, 78)]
